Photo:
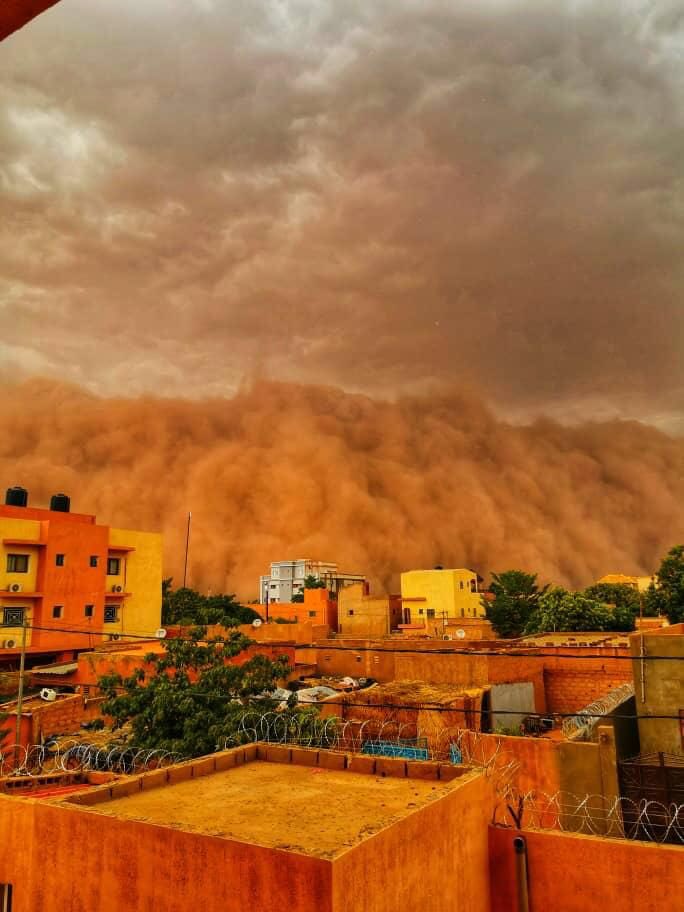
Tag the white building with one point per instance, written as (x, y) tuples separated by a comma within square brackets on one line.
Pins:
[(287, 579)]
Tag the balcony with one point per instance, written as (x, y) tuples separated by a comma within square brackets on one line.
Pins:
[(24, 543), (5, 594)]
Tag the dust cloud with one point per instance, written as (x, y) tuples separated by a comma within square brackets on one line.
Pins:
[(282, 470)]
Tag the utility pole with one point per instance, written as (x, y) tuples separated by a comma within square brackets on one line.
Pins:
[(20, 693), (187, 548)]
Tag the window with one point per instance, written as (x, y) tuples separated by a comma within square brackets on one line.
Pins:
[(110, 614), (420, 611), (430, 612), (460, 584), (312, 614), (350, 612), (5, 897), (93, 560), (88, 611), (113, 566), (59, 560), (13, 617), (17, 563), (57, 611)]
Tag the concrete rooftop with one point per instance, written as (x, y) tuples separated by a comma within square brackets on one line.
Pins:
[(312, 810)]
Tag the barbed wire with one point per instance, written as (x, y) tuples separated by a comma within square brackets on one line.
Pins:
[(616, 817), (34, 761), (377, 736), (585, 721)]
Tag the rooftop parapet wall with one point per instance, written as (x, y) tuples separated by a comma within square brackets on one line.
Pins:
[(162, 863), (573, 873)]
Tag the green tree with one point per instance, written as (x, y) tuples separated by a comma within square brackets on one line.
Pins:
[(667, 597), (625, 601), (189, 699), (311, 582), (190, 608), (516, 596), (563, 611)]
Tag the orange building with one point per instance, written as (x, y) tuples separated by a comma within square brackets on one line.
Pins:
[(67, 582), (227, 832), (316, 609)]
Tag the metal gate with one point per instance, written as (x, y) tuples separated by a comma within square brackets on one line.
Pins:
[(653, 788)]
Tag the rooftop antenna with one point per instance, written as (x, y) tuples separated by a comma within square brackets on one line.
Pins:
[(187, 548)]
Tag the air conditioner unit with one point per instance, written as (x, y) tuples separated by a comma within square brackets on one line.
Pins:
[(14, 587), (117, 588), (10, 644)]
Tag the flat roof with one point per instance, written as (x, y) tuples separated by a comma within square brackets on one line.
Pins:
[(311, 810), (410, 692)]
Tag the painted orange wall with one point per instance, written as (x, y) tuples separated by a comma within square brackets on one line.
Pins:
[(571, 873), (92, 665), (562, 683), (76, 584), (317, 608), (428, 660), (71, 858)]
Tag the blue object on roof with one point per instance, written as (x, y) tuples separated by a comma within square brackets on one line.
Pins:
[(406, 751), (455, 754)]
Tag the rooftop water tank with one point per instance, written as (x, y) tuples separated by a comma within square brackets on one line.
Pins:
[(60, 503), (16, 497)]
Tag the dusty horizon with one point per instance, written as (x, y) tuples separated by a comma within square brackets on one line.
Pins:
[(381, 197), (282, 470)]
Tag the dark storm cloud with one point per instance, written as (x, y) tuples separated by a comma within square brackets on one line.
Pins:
[(380, 195)]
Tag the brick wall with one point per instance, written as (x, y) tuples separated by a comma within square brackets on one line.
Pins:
[(568, 690)]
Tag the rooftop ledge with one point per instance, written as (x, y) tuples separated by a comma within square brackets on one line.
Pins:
[(246, 794), (24, 542)]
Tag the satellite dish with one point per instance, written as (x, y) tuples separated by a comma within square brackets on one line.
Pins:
[(257, 622), (460, 633), (160, 633)]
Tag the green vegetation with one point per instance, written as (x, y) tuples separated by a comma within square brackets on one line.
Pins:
[(189, 608), (190, 699), (520, 607), (667, 597), (560, 610), (310, 582), (516, 597), (625, 601)]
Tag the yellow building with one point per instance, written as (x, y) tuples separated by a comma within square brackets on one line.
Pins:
[(363, 615), (640, 583), (71, 582), (440, 595)]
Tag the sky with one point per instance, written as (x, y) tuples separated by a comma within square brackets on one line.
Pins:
[(385, 197), (392, 283)]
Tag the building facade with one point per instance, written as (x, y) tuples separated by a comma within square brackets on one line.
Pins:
[(440, 595), (71, 582), (363, 615), (286, 579)]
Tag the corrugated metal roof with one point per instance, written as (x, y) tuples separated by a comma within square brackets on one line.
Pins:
[(63, 669)]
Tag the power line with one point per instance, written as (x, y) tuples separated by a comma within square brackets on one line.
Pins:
[(517, 652), (412, 707)]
